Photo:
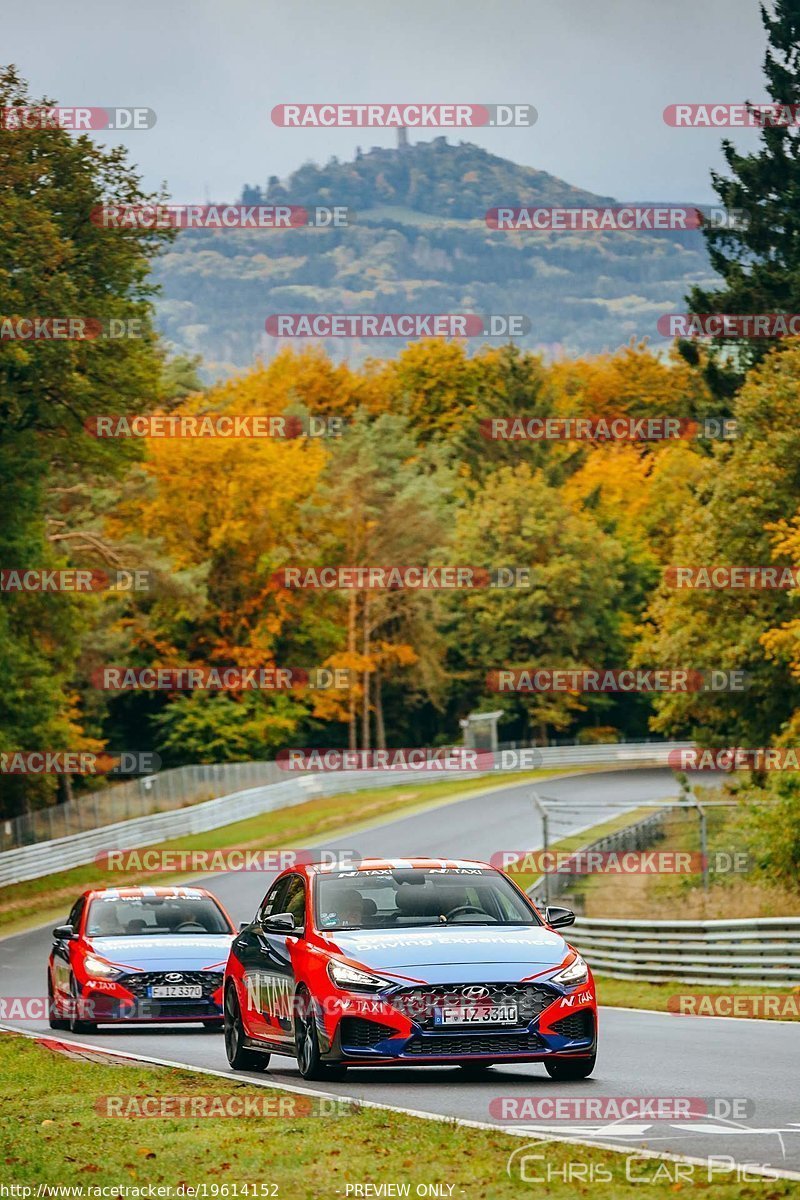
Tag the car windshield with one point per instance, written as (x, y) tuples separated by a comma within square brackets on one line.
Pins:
[(409, 898), (146, 916)]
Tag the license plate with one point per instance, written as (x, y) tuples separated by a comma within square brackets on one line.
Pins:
[(183, 991), (472, 1014)]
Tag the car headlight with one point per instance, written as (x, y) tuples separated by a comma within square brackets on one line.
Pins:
[(350, 977), (96, 968), (577, 972)]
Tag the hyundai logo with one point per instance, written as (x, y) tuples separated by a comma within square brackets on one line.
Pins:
[(473, 993), (173, 977)]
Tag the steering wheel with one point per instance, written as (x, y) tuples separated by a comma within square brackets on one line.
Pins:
[(467, 908), (190, 926)]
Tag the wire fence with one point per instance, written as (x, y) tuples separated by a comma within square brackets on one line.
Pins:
[(164, 792), (200, 798), (180, 786)]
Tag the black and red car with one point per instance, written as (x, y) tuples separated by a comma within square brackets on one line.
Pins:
[(407, 961), (139, 955)]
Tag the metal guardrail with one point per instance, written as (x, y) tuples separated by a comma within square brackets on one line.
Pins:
[(639, 836), (762, 951), (162, 792), (46, 857), (178, 787)]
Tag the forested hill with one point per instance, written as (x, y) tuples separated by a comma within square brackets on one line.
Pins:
[(419, 243), (461, 181)]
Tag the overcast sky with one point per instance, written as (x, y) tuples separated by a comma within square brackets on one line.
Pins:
[(599, 74)]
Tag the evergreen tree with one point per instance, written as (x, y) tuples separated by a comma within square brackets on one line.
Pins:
[(759, 258)]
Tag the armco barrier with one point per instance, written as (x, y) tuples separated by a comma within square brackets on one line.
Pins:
[(639, 836), (761, 951), (45, 857)]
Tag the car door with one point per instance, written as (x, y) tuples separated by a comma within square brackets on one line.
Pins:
[(266, 958), (62, 949)]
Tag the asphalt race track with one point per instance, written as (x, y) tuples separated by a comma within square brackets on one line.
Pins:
[(642, 1054)]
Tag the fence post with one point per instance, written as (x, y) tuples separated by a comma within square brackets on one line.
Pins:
[(701, 812), (545, 843)]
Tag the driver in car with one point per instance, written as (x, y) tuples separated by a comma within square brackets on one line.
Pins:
[(349, 907)]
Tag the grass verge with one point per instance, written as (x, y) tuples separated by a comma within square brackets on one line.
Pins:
[(601, 896), (778, 1004), (731, 893), (577, 841), (54, 1137)]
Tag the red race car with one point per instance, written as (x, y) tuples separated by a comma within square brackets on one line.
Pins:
[(139, 954), (414, 961)]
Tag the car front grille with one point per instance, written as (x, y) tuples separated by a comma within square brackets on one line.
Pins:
[(476, 1043), (576, 1025), (140, 981), (364, 1035), (418, 1003)]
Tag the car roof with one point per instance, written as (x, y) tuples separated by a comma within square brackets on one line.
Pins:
[(130, 893), (399, 864)]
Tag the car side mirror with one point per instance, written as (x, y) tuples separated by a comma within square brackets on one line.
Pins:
[(557, 918), (280, 923), (62, 933), (244, 925)]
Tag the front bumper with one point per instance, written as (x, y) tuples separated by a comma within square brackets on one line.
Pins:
[(400, 1027), (127, 1000)]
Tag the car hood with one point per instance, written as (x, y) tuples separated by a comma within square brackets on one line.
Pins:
[(459, 953), (179, 953)]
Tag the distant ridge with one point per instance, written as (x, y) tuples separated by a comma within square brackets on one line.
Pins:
[(419, 243), (460, 181)]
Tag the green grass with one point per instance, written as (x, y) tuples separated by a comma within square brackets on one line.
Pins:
[(730, 894), (625, 993), (577, 841), (53, 1135), (632, 993), (50, 897)]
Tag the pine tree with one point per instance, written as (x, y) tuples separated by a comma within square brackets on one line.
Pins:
[(759, 258)]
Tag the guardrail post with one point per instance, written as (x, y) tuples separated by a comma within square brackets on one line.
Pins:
[(701, 812), (545, 842)]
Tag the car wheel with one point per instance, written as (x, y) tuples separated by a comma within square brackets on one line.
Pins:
[(76, 1023), (54, 1021), (239, 1057), (306, 1039), (566, 1069)]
